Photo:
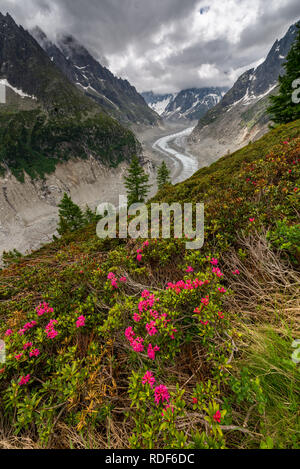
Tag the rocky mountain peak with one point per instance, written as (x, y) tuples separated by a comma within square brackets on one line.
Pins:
[(118, 97), (189, 104)]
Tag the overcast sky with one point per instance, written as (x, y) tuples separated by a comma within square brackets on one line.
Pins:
[(165, 45)]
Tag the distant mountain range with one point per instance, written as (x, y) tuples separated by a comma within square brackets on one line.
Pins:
[(116, 96), (241, 114), (189, 104)]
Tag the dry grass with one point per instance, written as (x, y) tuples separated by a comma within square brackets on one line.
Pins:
[(14, 442), (268, 287)]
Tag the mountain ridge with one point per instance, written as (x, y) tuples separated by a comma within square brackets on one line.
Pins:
[(242, 115), (53, 121), (117, 96), (188, 104)]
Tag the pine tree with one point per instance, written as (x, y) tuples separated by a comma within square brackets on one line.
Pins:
[(70, 216), (283, 109), (163, 176), (90, 216), (136, 183)]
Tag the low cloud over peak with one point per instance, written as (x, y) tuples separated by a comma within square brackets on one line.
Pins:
[(165, 45)]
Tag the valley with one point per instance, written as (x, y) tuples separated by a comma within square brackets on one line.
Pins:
[(29, 209), (161, 327)]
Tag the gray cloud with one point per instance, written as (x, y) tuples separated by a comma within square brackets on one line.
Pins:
[(165, 45)]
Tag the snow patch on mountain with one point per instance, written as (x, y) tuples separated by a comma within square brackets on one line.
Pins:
[(160, 106), (4, 82)]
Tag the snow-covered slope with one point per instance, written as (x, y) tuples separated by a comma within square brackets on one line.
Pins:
[(158, 102), (190, 104), (4, 83)]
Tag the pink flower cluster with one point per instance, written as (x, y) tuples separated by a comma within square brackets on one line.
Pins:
[(148, 301), (24, 380), (204, 323), (114, 281), (217, 417), (236, 272), (151, 351), (80, 321), (27, 345), (151, 329), (140, 251), (205, 301), (217, 271), (189, 269), (135, 342), (26, 327), (43, 308), (146, 307), (129, 333), (50, 331), (148, 378), (188, 285), (8, 332), (34, 352), (161, 394)]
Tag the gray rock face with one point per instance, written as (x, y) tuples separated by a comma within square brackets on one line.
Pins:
[(241, 116), (254, 84), (45, 118), (116, 96)]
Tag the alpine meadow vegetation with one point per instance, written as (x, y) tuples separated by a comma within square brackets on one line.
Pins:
[(114, 343)]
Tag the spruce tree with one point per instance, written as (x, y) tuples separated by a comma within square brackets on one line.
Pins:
[(163, 176), (70, 216), (283, 109), (136, 183), (90, 216)]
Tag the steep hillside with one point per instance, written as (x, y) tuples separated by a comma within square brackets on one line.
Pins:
[(116, 96), (45, 118), (190, 104), (132, 344), (241, 115)]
